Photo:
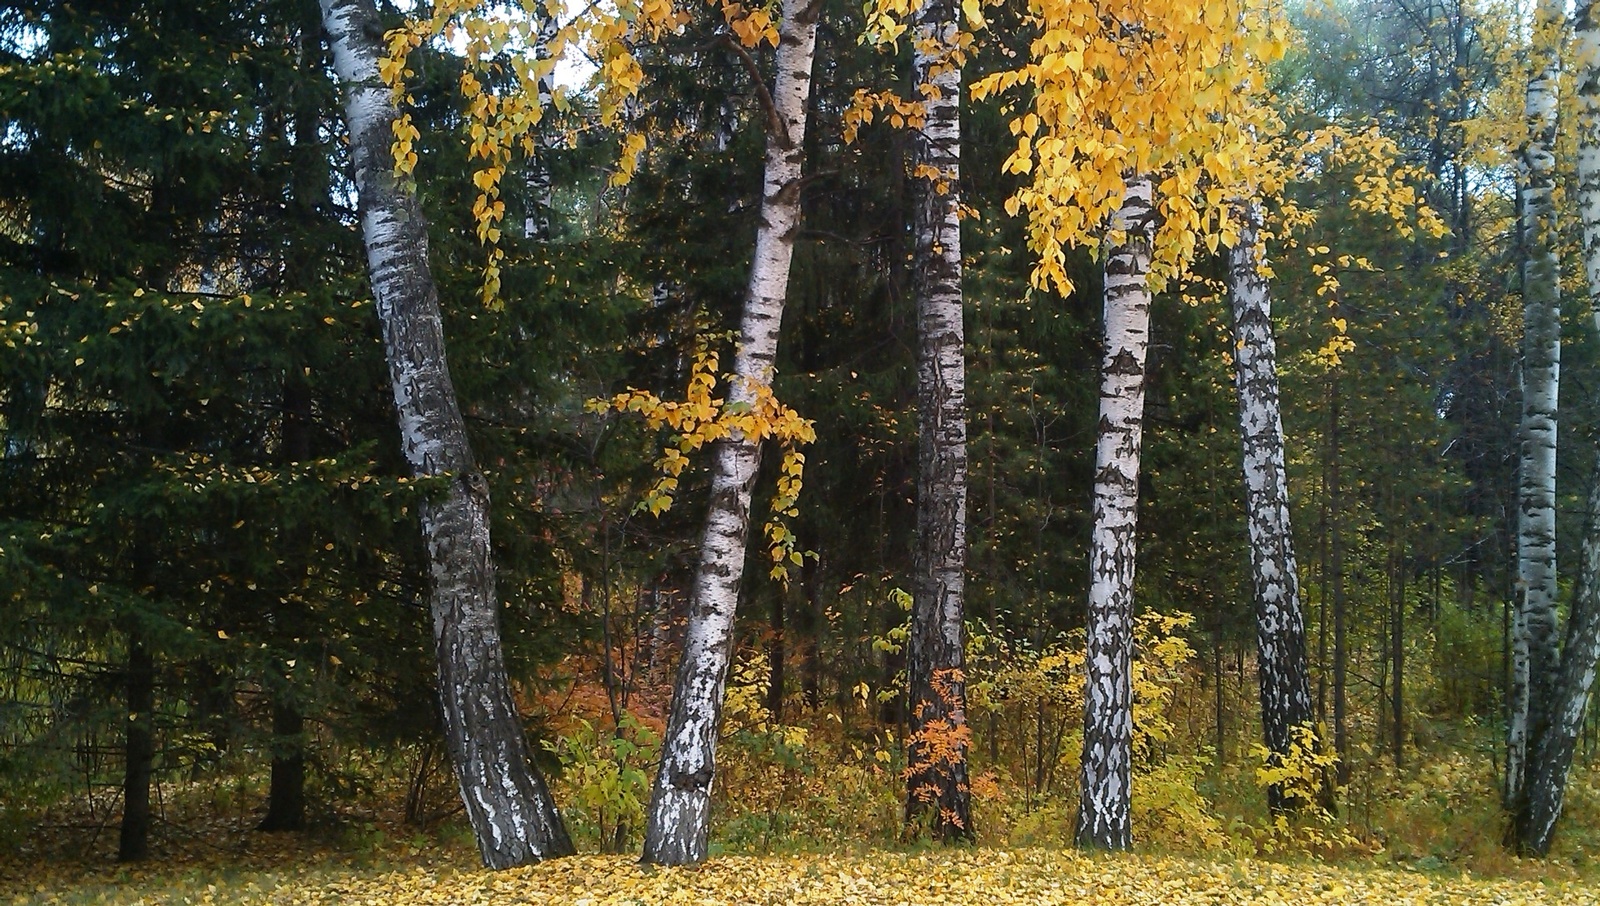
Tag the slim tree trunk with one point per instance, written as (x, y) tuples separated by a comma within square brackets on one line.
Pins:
[(1322, 596), (1397, 652), (286, 796), (677, 823), (139, 750), (1104, 811), (1551, 751), (1341, 649), (936, 761), (1280, 625), (810, 636), (1217, 695), (1534, 621), (775, 657), (509, 807)]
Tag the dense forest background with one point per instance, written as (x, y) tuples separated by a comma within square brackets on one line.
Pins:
[(211, 581)]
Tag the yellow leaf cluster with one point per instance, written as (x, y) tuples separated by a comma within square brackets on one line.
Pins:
[(702, 418), (1299, 772), (1116, 87), (509, 45), (1382, 186), (751, 25), (865, 106)]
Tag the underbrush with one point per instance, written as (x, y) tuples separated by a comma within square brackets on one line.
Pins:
[(829, 779), (824, 782)]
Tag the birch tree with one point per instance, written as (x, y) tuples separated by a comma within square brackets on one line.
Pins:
[(1093, 117), (677, 822), (1534, 657), (1280, 625), (1553, 735), (541, 193), (510, 809), (1104, 810), (936, 774)]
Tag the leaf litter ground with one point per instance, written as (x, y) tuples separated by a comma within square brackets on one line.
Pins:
[(979, 876)]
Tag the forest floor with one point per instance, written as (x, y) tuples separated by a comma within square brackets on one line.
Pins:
[(286, 870)]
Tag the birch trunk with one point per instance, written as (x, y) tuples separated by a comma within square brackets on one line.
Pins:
[(1104, 816), (1534, 633), (1550, 755), (1551, 750), (508, 805), (1280, 625), (936, 772), (541, 192), (1587, 60), (677, 823)]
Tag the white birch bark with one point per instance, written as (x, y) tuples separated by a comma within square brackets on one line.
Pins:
[(1534, 635), (936, 786), (677, 823), (1551, 746), (541, 192), (1104, 812), (507, 803), (1280, 625)]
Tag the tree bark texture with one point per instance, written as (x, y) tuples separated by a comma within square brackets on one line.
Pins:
[(936, 774), (1280, 624), (509, 807), (1534, 620), (139, 751), (677, 822), (1104, 812)]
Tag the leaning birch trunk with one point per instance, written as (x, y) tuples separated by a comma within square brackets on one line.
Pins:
[(1534, 633), (1280, 626), (677, 824), (1550, 751), (936, 771), (1104, 811), (507, 803)]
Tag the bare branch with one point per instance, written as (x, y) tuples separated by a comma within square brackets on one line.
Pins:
[(775, 123)]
